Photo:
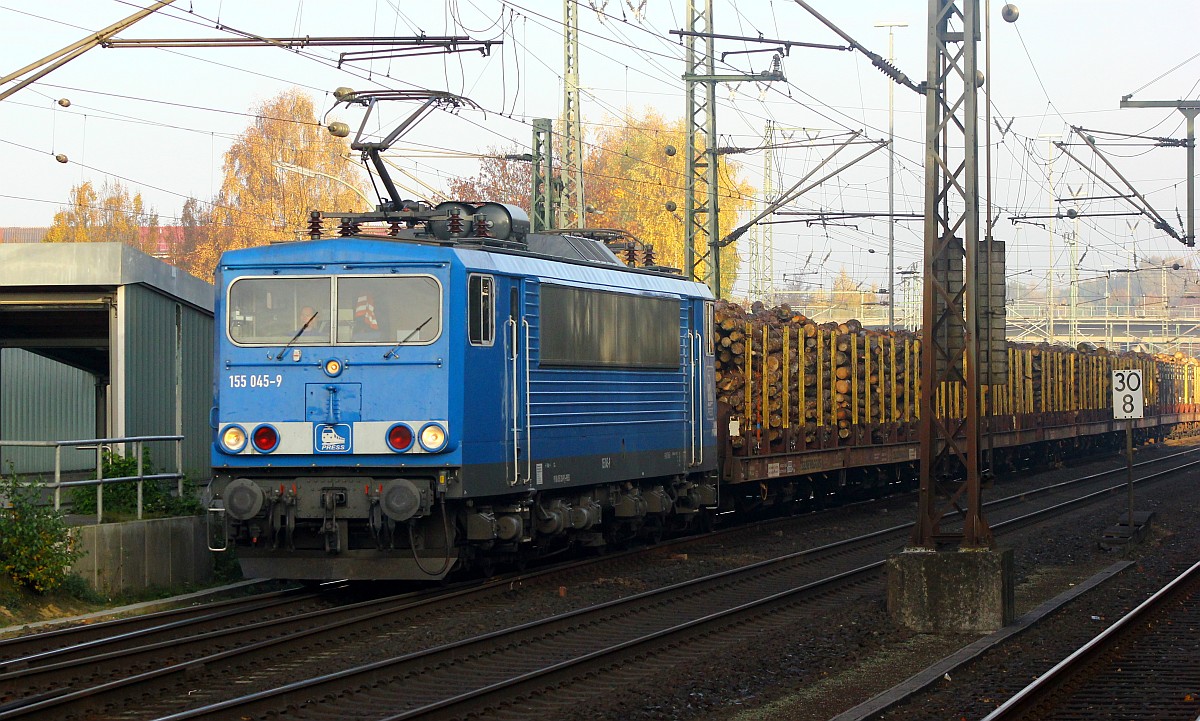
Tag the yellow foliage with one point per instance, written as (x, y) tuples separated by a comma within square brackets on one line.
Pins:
[(630, 178), (109, 216), (259, 201)]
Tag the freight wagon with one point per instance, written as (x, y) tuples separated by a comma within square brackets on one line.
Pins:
[(813, 409)]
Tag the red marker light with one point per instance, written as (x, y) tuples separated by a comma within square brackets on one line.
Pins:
[(266, 439), (400, 437)]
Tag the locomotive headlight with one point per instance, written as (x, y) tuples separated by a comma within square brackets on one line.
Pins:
[(333, 367), (234, 439), (433, 437)]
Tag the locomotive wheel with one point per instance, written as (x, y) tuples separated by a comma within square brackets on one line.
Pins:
[(652, 530)]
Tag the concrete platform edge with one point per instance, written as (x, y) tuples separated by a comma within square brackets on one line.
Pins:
[(134, 607), (885, 700)]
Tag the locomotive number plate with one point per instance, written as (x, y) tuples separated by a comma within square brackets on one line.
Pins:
[(255, 380)]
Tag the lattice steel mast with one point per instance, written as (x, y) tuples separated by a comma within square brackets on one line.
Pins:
[(541, 195), (950, 445), (700, 211), (762, 241), (571, 205)]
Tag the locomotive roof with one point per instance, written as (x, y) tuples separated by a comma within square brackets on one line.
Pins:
[(375, 251)]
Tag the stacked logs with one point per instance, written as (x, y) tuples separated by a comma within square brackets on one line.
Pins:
[(803, 370), (801, 378), (1060, 377)]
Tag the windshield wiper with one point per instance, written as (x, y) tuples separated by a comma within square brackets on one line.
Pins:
[(303, 328), (406, 338)]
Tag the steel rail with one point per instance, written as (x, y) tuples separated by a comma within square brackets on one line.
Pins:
[(409, 667), (39, 673), (360, 613), (1037, 694), (505, 690), (1134, 623), (21, 651)]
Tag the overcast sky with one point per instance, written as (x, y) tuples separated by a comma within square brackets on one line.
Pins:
[(160, 120)]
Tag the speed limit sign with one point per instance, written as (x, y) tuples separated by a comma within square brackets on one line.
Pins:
[(1127, 394)]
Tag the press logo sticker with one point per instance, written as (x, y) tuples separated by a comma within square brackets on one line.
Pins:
[(333, 438)]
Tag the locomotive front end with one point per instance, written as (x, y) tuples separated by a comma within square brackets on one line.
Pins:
[(334, 439)]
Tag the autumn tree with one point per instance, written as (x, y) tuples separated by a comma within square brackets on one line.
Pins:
[(280, 168), (195, 221), (629, 178), (845, 289), (500, 180), (110, 215)]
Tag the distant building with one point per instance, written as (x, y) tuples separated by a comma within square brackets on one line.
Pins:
[(162, 242), (23, 235)]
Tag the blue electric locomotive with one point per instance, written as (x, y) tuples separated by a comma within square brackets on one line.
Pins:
[(452, 392)]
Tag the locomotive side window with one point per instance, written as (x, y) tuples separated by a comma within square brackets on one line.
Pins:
[(274, 310), (481, 310), (388, 310), (710, 343), (582, 327)]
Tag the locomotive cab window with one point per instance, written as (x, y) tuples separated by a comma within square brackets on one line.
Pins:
[(271, 311), (481, 310), (388, 310)]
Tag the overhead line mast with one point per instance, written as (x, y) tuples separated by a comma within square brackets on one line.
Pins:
[(701, 210), (950, 349), (762, 241), (570, 208)]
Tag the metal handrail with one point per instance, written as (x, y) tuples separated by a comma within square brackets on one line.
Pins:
[(99, 444)]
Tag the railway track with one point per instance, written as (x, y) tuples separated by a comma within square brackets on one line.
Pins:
[(106, 656), (160, 668), (1143, 667), (580, 654), (38, 663), (18, 651)]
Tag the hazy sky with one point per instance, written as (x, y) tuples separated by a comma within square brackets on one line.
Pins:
[(160, 120)]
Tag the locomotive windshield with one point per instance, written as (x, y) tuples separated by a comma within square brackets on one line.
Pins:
[(373, 310), (388, 310), (273, 310)]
